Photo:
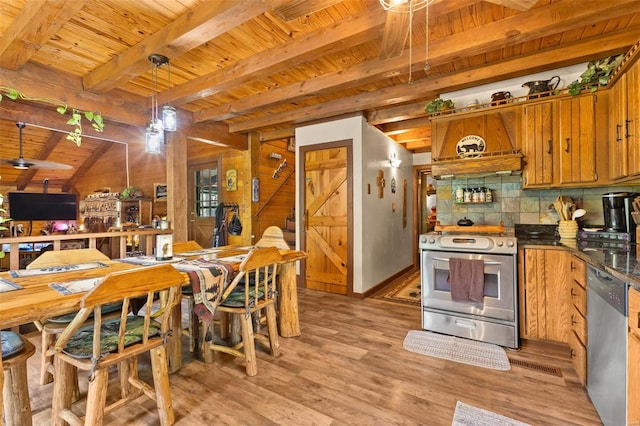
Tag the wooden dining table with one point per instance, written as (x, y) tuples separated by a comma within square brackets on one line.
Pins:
[(36, 300)]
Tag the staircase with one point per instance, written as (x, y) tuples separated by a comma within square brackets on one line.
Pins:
[(289, 229)]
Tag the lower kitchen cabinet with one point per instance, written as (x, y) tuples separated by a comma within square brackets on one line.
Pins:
[(578, 317), (545, 278), (633, 358)]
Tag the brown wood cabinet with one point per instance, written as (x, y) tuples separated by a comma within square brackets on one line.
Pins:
[(545, 278), (578, 317), (564, 141), (537, 145), (633, 358), (624, 125)]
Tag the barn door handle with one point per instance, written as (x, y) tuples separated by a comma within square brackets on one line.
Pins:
[(566, 149), (549, 145), (626, 128), (618, 127), (306, 220)]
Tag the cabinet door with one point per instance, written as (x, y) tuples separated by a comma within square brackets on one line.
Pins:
[(632, 124), (577, 139), (545, 310), (537, 145), (633, 358), (618, 162)]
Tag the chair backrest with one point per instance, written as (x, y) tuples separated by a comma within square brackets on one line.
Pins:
[(67, 257), (273, 237), (258, 270), (184, 246), (123, 286)]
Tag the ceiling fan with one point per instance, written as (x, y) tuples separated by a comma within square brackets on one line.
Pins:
[(21, 163)]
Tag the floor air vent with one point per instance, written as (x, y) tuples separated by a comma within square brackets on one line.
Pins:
[(537, 367)]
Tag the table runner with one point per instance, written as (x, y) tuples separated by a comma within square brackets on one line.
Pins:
[(18, 273), (208, 280), (6, 285)]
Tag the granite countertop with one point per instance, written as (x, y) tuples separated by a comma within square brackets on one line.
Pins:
[(622, 264)]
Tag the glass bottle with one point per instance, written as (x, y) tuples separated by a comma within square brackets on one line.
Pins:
[(488, 196), (467, 195)]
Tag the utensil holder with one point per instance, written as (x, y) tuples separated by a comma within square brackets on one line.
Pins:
[(568, 229)]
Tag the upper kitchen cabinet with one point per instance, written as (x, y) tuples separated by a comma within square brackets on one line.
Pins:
[(564, 141), (537, 145), (582, 135), (624, 113)]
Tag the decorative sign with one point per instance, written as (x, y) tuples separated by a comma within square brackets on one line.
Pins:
[(232, 180), (159, 191), (380, 183), (255, 190), (470, 146)]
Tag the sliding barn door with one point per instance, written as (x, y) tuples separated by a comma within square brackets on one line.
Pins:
[(326, 219)]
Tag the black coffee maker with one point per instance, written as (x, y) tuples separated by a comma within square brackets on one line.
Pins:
[(617, 210)]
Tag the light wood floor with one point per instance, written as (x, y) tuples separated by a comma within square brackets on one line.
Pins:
[(349, 368)]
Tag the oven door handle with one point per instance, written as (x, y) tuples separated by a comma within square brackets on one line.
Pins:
[(492, 262)]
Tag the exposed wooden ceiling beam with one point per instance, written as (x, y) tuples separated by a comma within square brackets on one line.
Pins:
[(354, 30), (208, 21), (299, 8), (19, 41), (441, 52), (547, 59), (515, 4)]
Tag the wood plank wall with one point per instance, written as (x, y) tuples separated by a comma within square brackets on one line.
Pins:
[(277, 194)]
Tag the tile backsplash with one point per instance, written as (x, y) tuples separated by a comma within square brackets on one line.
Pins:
[(512, 204)]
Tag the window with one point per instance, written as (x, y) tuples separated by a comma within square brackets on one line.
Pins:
[(206, 192)]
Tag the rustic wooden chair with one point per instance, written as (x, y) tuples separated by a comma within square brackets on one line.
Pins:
[(15, 390), (273, 237), (193, 329), (252, 290), (50, 327), (120, 341)]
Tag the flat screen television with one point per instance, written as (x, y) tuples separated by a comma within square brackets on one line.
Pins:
[(40, 206)]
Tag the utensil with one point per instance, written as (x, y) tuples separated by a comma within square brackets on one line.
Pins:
[(578, 213)]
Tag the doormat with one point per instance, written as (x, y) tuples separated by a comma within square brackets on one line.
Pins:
[(468, 415), (465, 351), (408, 291)]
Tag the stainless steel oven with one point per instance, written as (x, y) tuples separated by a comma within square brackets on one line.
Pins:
[(495, 318)]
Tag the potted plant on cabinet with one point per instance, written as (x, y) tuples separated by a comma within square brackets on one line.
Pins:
[(436, 106), (596, 75)]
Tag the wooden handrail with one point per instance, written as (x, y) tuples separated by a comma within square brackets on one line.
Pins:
[(273, 194)]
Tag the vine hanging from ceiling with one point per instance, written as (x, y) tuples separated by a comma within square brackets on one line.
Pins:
[(94, 118)]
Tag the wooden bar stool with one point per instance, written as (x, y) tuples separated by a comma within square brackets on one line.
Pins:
[(15, 392)]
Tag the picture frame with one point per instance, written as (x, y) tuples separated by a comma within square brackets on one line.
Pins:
[(159, 191)]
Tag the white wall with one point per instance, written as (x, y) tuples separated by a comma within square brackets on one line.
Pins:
[(381, 247)]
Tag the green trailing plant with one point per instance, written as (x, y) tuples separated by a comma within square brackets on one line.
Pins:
[(597, 74), (437, 105), (95, 118)]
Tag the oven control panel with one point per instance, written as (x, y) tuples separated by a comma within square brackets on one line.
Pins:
[(469, 243)]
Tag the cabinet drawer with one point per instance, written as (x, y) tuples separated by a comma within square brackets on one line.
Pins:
[(634, 311), (579, 297), (578, 357), (579, 271), (579, 325)]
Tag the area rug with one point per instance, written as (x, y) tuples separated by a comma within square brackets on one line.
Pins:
[(408, 291), (468, 415), (456, 349)]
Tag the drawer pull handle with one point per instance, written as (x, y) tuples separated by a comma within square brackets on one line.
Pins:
[(573, 294), (573, 322), (573, 354)]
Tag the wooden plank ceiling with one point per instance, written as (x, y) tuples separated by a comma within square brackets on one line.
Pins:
[(268, 65)]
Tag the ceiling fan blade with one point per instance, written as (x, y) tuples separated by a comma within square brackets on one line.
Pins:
[(36, 164), (515, 4), (396, 32), (298, 8)]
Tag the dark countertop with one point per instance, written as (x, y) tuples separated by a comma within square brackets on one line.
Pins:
[(622, 264)]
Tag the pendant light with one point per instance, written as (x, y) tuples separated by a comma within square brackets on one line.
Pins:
[(154, 134)]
